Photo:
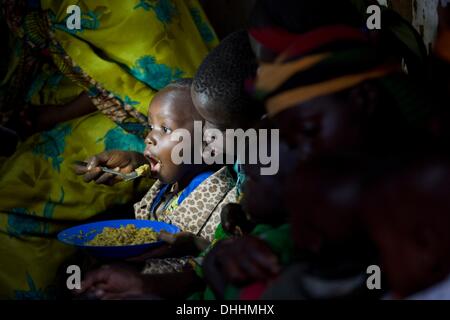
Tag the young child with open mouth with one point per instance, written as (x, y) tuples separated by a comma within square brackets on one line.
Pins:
[(188, 195)]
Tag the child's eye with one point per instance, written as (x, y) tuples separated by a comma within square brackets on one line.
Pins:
[(150, 127), (166, 130)]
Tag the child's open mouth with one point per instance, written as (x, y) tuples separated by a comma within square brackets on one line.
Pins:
[(155, 164)]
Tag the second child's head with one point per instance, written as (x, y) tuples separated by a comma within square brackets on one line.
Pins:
[(170, 109), (218, 90)]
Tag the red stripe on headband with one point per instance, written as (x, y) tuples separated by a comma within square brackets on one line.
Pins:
[(273, 38), (279, 40)]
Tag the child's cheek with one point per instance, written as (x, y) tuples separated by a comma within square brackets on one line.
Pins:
[(173, 153)]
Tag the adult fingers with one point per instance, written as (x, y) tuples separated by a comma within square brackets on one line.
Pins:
[(92, 279), (92, 174), (127, 169), (266, 260), (100, 159), (252, 270), (233, 271), (105, 178), (80, 170), (102, 289), (92, 162), (117, 159)]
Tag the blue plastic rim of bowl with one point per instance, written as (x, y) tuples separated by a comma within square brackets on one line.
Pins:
[(79, 235)]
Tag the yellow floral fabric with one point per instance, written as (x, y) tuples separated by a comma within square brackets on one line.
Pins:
[(126, 50)]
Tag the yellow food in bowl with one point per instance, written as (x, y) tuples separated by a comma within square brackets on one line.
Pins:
[(123, 236)]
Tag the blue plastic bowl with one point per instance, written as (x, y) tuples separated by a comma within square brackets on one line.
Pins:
[(79, 235)]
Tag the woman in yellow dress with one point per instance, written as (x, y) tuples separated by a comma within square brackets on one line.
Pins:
[(89, 90)]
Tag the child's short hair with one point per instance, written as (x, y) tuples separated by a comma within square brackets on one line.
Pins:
[(222, 75), (185, 84)]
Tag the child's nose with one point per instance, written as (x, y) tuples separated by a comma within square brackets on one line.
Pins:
[(150, 140)]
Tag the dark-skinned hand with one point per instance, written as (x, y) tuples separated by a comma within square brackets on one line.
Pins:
[(239, 261), (121, 161)]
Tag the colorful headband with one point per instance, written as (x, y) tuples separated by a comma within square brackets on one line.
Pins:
[(279, 40), (272, 75), (291, 98)]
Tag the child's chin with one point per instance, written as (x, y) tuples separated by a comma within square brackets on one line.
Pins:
[(161, 178), (164, 179)]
